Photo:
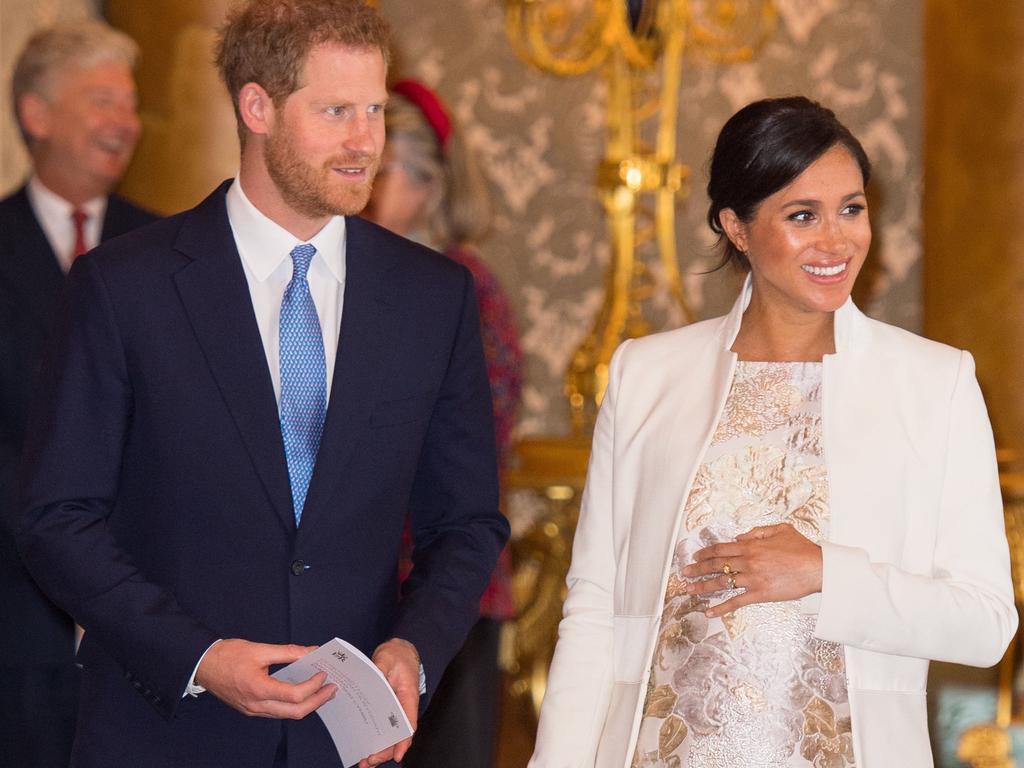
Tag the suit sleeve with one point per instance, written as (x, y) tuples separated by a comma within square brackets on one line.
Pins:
[(78, 428), (963, 612), (581, 675), (457, 528)]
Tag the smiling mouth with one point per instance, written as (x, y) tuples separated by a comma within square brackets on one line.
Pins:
[(113, 147), (824, 271), (351, 171)]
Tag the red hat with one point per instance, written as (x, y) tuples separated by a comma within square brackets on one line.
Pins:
[(429, 104)]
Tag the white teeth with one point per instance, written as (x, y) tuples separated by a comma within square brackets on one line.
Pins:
[(824, 271)]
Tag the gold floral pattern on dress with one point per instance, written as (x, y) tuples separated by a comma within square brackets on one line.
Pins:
[(828, 741), (761, 399), (760, 485), (753, 687)]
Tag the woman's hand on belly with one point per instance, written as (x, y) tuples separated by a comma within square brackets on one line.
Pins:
[(770, 563)]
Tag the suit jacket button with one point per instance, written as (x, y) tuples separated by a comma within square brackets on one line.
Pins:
[(298, 567)]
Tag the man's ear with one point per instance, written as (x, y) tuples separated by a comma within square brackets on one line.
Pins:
[(256, 108), (36, 116), (734, 228)]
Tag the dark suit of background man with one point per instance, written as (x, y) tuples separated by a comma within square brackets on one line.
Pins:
[(171, 500), (75, 102)]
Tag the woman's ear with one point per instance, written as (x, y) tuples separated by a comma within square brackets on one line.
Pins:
[(734, 228)]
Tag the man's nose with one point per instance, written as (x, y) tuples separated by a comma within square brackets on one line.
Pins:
[(361, 138), (126, 118)]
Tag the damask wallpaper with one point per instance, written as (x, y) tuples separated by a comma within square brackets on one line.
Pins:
[(540, 138)]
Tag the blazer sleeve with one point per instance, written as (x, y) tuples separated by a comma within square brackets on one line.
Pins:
[(70, 474), (963, 612), (581, 676), (456, 526)]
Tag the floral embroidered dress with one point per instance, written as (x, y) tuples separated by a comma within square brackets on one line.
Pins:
[(753, 687)]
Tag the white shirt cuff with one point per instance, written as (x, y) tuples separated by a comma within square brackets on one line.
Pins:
[(194, 690)]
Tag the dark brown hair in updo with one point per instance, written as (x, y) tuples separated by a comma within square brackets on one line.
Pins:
[(764, 147)]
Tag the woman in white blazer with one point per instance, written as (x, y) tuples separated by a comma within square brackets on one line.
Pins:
[(862, 453)]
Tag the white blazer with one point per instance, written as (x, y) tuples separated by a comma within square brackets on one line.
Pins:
[(916, 565)]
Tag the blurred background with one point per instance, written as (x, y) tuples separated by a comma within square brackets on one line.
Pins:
[(933, 88)]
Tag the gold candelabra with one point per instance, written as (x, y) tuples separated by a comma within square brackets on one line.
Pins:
[(630, 41)]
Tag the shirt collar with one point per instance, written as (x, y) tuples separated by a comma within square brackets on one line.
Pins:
[(46, 202), (263, 244)]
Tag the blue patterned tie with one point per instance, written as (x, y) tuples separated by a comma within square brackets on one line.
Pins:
[(303, 378)]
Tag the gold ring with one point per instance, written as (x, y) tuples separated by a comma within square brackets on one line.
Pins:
[(732, 581), (727, 570)]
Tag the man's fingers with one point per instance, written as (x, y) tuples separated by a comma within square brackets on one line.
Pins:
[(378, 757), (401, 748), (294, 710), (268, 688), (281, 654)]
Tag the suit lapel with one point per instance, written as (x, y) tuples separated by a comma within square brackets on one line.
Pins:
[(216, 297), (369, 328), (33, 261)]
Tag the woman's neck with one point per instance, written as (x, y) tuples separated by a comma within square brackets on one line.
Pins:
[(778, 335)]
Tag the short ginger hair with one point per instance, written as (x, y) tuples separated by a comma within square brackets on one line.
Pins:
[(267, 42)]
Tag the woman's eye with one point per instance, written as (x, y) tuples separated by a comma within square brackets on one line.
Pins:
[(855, 209), (801, 216)]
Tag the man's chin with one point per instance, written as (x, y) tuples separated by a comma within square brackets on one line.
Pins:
[(350, 202)]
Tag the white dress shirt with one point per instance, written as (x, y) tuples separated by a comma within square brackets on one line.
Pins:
[(53, 213), (265, 248)]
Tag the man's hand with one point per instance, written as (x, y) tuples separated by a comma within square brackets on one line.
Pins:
[(400, 663), (236, 672)]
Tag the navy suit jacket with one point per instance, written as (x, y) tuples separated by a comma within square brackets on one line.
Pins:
[(156, 501), (31, 282)]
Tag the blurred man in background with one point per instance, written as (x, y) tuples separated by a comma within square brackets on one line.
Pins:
[(74, 97)]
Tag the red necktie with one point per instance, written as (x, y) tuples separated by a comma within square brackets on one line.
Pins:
[(78, 216)]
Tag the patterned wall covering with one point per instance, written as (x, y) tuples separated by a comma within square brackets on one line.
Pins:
[(541, 137)]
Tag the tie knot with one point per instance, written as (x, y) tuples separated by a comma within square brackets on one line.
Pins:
[(302, 255), (79, 216)]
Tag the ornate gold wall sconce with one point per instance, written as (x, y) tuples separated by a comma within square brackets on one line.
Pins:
[(639, 46)]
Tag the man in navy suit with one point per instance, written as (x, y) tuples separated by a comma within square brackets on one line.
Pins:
[(75, 102), (243, 405)]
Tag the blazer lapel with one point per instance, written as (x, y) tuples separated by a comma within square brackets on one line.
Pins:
[(216, 297), (34, 262), (684, 412), (369, 324)]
